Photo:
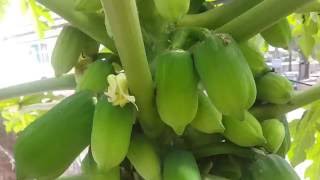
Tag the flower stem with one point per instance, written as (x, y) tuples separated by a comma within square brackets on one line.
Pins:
[(62, 83), (125, 26)]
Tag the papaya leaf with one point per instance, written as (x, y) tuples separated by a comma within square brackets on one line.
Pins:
[(14, 121), (304, 134), (306, 43), (19, 112), (8, 102), (313, 171), (293, 126), (40, 14)]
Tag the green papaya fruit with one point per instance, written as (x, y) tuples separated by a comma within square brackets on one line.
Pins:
[(111, 133), (144, 158), (225, 74), (88, 5), (46, 148), (180, 165), (285, 146), (270, 167), (254, 59), (208, 118), (274, 88), (278, 35), (274, 132), (176, 89), (247, 132), (172, 10), (95, 77), (91, 48), (67, 49)]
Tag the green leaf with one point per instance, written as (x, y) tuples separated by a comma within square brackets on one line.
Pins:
[(306, 43), (40, 14), (304, 134), (313, 171), (18, 113), (14, 121)]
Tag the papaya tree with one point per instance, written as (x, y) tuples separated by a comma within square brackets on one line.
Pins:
[(171, 89)]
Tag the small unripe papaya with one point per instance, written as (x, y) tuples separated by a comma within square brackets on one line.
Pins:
[(208, 118), (274, 132), (95, 77), (111, 133), (144, 158), (254, 59), (176, 89), (285, 146), (274, 88), (180, 165), (47, 147), (225, 74), (68, 48), (172, 10), (247, 132)]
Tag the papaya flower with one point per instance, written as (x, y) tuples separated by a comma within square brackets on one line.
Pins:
[(118, 91)]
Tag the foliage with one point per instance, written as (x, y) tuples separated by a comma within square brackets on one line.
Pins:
[(305, 142), (41, 15), (18, 113)]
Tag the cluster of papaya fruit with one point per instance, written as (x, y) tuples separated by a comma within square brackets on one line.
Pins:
[(204, 89)]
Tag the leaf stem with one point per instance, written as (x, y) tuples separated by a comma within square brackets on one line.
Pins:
[(298, 100), (262, 16), (62, 83), (218, 16), (125, 26), (90, 23)]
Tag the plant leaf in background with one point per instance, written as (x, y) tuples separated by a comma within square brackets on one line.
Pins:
[(41, 15), (18, 113), (3, 5), (313, 171), (303, 134)]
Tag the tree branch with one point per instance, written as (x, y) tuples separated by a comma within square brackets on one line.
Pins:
[(125, 26), (61, 83), (298, 100), (218, 16), (255, 20), (90, 23)]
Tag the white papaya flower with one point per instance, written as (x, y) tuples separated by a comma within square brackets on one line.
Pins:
[(118, 91)]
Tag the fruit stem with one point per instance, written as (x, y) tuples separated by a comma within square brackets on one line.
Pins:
[(66, 82), (90, 23), (125, 27), (299, 99), (262, 16), (218, 16)]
